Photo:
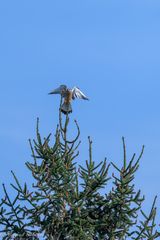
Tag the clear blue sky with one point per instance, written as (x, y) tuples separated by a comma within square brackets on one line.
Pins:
[(111, 50)]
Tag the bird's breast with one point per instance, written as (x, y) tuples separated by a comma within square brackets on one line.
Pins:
[(68, 97)]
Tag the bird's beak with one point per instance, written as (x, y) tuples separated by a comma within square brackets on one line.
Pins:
[(55, 91)]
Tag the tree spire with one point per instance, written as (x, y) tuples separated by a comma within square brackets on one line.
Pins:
[(69, 201)]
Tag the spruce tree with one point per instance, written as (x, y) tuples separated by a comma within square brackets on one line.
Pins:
[(69, 201)]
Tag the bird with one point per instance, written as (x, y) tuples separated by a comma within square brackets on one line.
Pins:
[(68, 95)]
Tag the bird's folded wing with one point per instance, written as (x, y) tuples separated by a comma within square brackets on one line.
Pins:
[(76, 93)]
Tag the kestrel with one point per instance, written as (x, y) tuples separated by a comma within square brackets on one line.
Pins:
[(68, 95)]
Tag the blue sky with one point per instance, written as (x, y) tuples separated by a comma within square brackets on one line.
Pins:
[(111, 50)]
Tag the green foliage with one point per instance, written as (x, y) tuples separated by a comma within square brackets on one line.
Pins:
[(66, 202)]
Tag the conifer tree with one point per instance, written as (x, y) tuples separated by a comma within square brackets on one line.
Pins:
[(66, 200)]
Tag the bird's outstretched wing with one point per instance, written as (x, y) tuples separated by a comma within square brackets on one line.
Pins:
[(76, 93)]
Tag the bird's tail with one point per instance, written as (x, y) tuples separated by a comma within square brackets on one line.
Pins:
[(66, 108)]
